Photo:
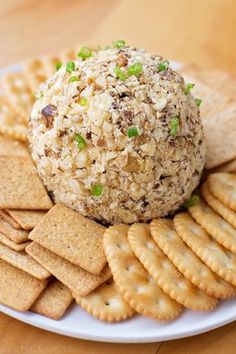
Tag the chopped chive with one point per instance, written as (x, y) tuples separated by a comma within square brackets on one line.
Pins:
[(96, 190), (193, 200), (135, 69), (132, 132), (174, 126), (38, 96), (73, 79), (163, 66), (120, 74), (83, 101), (80, 141), (84, 53), (198, 102), (70, 66), (188, 89), (58, 66), (120, 43)]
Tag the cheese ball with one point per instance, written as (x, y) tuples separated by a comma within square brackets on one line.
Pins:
[(117, 136)]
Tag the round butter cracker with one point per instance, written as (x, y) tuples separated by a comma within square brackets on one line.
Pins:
[(165, 273), (187, 262), (105, 303), (223, 186), (218, 258), (226, 213), (134, 283), (214, 224)]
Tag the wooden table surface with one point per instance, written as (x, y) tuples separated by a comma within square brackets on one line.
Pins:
[(201, 31)]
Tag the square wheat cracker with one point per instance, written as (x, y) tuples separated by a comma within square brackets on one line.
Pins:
[(18, 289), (73, 237), (53, 301), (23, 261), (11, 244), (221, 81), (11, 147), (20, 186), (16, 235), (220, 132), (79, 281), (27, 219), (5, 216)]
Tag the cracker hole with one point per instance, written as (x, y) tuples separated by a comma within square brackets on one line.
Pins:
[(109, 282), (107, 303)]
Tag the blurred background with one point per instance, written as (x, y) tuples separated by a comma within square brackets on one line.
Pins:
[(198, 31)]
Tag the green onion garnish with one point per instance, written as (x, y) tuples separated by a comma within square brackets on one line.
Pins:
[(135, 69), (73, 79), (193, 200), (70, 66), (84, 53), (83, 101), (188, 89), (174, 126), (198, 102), (38, 96), (132, 132), (120, 74), (96, 190), (58, 66), (163, 66), (120, 43), (80, 141)]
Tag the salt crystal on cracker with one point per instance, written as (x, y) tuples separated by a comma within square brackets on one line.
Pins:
[(53, 301), (73, 237), (18, 289), (20, 186), (75, 278)]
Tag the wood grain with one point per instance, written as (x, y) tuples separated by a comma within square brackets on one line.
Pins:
[(199, 31)]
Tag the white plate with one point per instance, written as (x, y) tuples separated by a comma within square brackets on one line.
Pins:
[(77, 323)]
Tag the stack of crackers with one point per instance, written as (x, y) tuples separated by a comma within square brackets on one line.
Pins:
[(217, 91), (18, 92), (51, 255)]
